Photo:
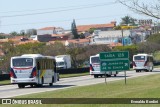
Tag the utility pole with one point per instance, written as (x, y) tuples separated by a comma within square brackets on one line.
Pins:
[(122, 37)]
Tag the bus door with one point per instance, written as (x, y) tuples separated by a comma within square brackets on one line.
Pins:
[(38, 71)]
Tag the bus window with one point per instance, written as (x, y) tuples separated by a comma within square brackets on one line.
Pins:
[(95, 60), (139, 58), (22, 62)]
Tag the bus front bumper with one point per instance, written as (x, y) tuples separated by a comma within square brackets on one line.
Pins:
[(24, 80)]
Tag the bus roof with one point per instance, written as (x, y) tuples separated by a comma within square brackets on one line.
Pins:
[(97, 55), (28, 55), (33, 55), (142, 55)]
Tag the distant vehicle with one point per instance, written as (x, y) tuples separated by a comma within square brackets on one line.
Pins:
[(33, 69), (63, 61), (95, 67), (143, 62)]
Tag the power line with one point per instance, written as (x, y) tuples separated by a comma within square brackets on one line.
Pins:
[(51, 8), (116, 1), (77, 8), (85, 18)]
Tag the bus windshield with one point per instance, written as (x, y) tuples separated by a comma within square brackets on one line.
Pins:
[(95, 60), (139, 58), (22, 62), (60, 63)]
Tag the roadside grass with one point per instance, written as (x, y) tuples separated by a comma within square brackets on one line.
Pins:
[(4, 82), (139, 87)]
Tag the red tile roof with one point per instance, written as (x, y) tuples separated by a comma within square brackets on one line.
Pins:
[(78, 40), (60, 35), (49, 28), (83, 28), (115, 44)]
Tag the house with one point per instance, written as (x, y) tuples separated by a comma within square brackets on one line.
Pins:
[(102, 27), (51, 34), (72, 42), (110, 37), (34, 37), (64, 36), (50, 31), (5, 35), (77, 42)]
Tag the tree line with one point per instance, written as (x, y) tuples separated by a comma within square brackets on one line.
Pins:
[(78, 54)]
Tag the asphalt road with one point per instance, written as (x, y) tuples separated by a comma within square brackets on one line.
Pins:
[(7, 91)]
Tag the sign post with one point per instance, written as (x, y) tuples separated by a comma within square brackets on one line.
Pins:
[(114, 61), (105, 78)]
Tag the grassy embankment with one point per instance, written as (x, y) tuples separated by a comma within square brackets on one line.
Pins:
[(140, 87)]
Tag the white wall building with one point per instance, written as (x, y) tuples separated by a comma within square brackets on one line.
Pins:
[(50, 31), (34, 37), (108, 37)]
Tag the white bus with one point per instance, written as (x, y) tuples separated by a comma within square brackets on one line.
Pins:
[(95, 67), (33, 69), (143, 62)]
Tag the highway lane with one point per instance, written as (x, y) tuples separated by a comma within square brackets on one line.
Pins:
[(13, 90)]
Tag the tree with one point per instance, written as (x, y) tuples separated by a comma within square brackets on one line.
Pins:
[(2, 37), (74, 30), (22, 32), (127, 20), (155, 38), (133, 49), (8, 47), (81, 36), (148, 47), (117, 27), (31, 32), (151, 9), (91, 30), (74, 52), (14, 33)]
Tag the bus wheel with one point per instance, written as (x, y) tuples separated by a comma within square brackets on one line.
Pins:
[(32, 85), (147, 70), (95, 76), (21, 85), (115, 75), (42, 82), (50, 84), (58, 77), (137, 71), (40, 85)]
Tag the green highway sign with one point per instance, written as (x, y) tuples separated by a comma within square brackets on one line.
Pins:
[(114, 61), (117, 65), (114, 55)]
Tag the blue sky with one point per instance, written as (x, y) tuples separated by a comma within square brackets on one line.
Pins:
[(16, 15)]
